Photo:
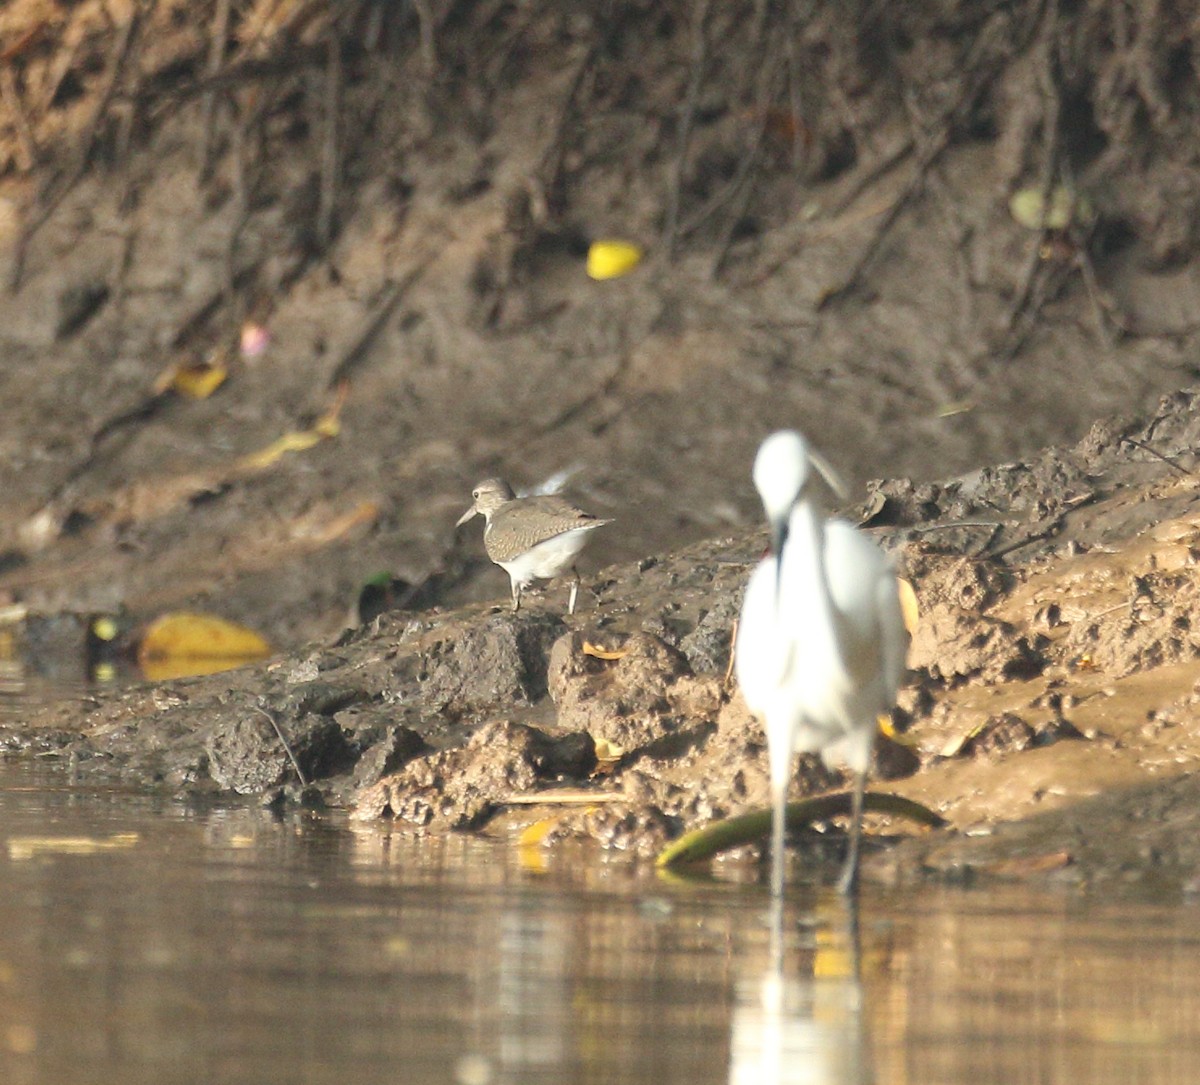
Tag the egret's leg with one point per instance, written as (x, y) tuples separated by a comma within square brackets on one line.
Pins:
[(776, 920), (778, 829), (848, 882), (780, 744)]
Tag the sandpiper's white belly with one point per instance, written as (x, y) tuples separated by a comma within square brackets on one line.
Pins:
[(548, 559)]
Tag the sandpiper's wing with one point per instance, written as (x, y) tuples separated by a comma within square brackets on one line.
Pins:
[(522, 524)]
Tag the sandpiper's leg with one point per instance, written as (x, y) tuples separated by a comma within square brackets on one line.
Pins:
[(848, 882), (516, 594), (574, 591)]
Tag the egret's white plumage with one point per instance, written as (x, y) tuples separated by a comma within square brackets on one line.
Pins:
[(821, 639)]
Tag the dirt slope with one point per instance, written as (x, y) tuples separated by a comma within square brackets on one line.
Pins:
[(404, 204)]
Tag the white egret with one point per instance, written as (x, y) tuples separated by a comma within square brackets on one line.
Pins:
[(821, 639)]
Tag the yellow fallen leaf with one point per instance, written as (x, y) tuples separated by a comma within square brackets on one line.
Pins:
[(612, 259), (534, 836), (590, 649), (608, 751), (297, 441), (197, 380), (909, 607), (959, 406), (957, 743), (1031, 208), (29, 847), (186, 643), (328, 425)]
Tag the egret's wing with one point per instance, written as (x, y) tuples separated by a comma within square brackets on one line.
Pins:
[(864, 589), (893, 635), (854, 569)]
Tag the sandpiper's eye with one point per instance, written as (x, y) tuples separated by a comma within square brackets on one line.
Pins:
[(475, 494)]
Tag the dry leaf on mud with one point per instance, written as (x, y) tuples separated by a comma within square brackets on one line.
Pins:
[(197, 380), (608, 751), (328, 425), (30, 847), (1026, 866), (590, 649), (1031, 208), (909, 607), (187, 643)]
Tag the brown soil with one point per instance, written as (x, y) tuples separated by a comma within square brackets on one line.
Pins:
[(405, 203)]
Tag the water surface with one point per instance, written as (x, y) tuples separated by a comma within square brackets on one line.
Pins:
[(143, 939)]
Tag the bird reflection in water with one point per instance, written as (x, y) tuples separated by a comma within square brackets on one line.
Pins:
[(804, 1029)]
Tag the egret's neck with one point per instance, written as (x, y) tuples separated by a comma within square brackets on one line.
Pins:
[(805, 573)]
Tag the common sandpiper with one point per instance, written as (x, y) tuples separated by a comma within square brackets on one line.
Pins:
[(531, 538)]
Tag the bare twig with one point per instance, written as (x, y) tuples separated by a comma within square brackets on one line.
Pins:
[(241, 209), (743, 183), (736, 184), (1049, 529), (982, 68), (796, 20), (550, 169), (575, 796), (112, 77), (691, 98), (1050, 124), (384, 306), (330, 144), (216, 58), (286, 745), (916, 184), (1158, 456), (10, 94), (425, 27)]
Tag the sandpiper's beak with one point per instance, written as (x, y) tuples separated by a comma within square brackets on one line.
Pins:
[(466, 516)]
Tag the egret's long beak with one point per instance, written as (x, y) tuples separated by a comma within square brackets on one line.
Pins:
[(779, 532), (466, 516), (779, 538), (829, 474)]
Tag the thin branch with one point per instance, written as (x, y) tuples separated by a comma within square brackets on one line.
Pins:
[(112, 77), (690, 101), (10, 94), (330, 146), (1158, 456), (216, 58), (1045, 183), (287, 747)]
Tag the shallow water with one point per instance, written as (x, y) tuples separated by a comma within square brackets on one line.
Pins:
[(146, 940)]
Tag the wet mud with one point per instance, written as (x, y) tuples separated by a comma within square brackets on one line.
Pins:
[(1048, 713)]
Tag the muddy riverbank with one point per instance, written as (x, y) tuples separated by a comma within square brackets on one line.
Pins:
[(1053, 681), (281, 281)]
